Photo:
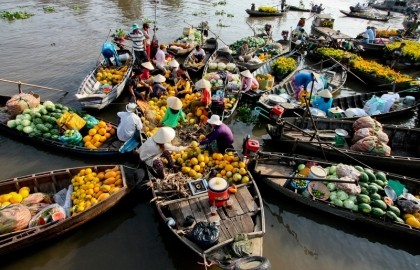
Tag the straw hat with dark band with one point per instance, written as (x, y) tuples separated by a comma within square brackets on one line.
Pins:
[(174, 103), (159, 78), (164, 135), (203, 83)]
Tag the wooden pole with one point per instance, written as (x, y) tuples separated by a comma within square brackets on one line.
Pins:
[(19, 83)]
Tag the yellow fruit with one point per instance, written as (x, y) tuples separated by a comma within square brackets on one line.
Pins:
[(103, 196), (197, 168), (24, 193), (194, 144), (16, 198), (242, 164), (192, 173), (92, 131), (194, 161), (245, 180), (24, 188), (412, 221), (242, 171), (200, 158), (202, 137), (5, 204), (105, 188), (5, 198)]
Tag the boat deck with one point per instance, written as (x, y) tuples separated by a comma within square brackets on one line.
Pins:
[(234, 220)]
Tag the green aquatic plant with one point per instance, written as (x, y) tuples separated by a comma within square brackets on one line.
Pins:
[(220, 12), (230, 15), (49, 9), (17, 15)]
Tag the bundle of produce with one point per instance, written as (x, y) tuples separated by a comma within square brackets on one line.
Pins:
[(14, 217), (71, 137), (51, 213), (269, 51), (365, 132), (366, 122), (372, 144), (20, 102), (268, 9), (90, 121), (283, 66), (71, 120), (265, 81), (253, 43), (385, 33), (343, 170)]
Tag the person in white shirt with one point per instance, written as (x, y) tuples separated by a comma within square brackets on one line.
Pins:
[(160, 58), (130, 122), (198, 54), (158, 146)]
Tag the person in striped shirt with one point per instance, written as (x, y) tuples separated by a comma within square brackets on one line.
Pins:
[(139, 45)]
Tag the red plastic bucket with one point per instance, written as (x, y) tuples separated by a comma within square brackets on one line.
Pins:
[(218, 191)]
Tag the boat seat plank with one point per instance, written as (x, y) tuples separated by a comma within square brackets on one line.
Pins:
[(247, 223), (230, 227), (185, 208), (204, 201), (242, 202), (235, 210), (198, 211), (249, 200), (276, 169), (221, 212), (177, 214)]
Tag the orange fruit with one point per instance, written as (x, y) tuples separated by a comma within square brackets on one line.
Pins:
[(229, 168), (87, 138), (102, 139), (102, 131), (97, 144), (102, 124), (92, 131), (112, 131), (108, 135)]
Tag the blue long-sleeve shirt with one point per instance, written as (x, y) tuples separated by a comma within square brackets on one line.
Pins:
[(320, 104), (302, 79)]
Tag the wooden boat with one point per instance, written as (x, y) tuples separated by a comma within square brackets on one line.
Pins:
[(267, 69), (335, 75), (256, 13), (91, 95), (273, 170), (404, 143), (108, 149), (379, 83), (392, 5), (50, 183), (370, 49), (299, 8), (220, 56), (210, 46), (323, 24), (359, 8), (251, 66), (245, 216), (366, 16)]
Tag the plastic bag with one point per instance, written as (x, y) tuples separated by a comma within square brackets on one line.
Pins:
[(367, 122), (35, 198), (90, 121), (382, 136), (408, 203), (241, 246), (347, 171), (36, 207), (72, 137), (355, 112), (381, 149), (349, 188), (362, 133), (18, 103), (14, 217), (205, 234), (51, 213), (365, 145), (71, 120)]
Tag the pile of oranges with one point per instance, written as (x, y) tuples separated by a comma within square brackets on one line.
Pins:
[(98, 135), (91, 187)]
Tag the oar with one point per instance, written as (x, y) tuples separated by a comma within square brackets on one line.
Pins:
[(348, 70), (34, 85)]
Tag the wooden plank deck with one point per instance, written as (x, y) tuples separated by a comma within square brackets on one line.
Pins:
[(234, 220), (275, 169)]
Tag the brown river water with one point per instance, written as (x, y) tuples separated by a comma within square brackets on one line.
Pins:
[(58, 50)]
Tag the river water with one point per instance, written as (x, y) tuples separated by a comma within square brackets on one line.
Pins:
[(58, 50)]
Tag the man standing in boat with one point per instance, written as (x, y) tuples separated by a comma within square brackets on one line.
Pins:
[(139, 45), (108, 51), (282, 5)]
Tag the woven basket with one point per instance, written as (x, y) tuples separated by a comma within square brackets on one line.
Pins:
[(265, 84)]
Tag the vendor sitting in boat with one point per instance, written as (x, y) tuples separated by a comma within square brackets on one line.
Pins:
[(173, 68), (158, 89), (323, 101), (130, 123), (253, 7), (173, 113), (145, 71), (248, 81), (158, 146), (198, 54), (244, 53), (136, 86), (204, 86), (183, 86), (221, 135), (108, 51)]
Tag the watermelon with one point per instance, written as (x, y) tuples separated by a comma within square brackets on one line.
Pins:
[(379, 204), (364, 208), (381, 176), (394, 209), (377, 212), (361, 198), (363, 177), (57, 216)]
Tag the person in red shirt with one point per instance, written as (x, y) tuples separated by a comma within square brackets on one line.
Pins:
[(145, 71), (205, 100)]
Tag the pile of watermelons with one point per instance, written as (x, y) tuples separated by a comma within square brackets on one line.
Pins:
[(372, 199)]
